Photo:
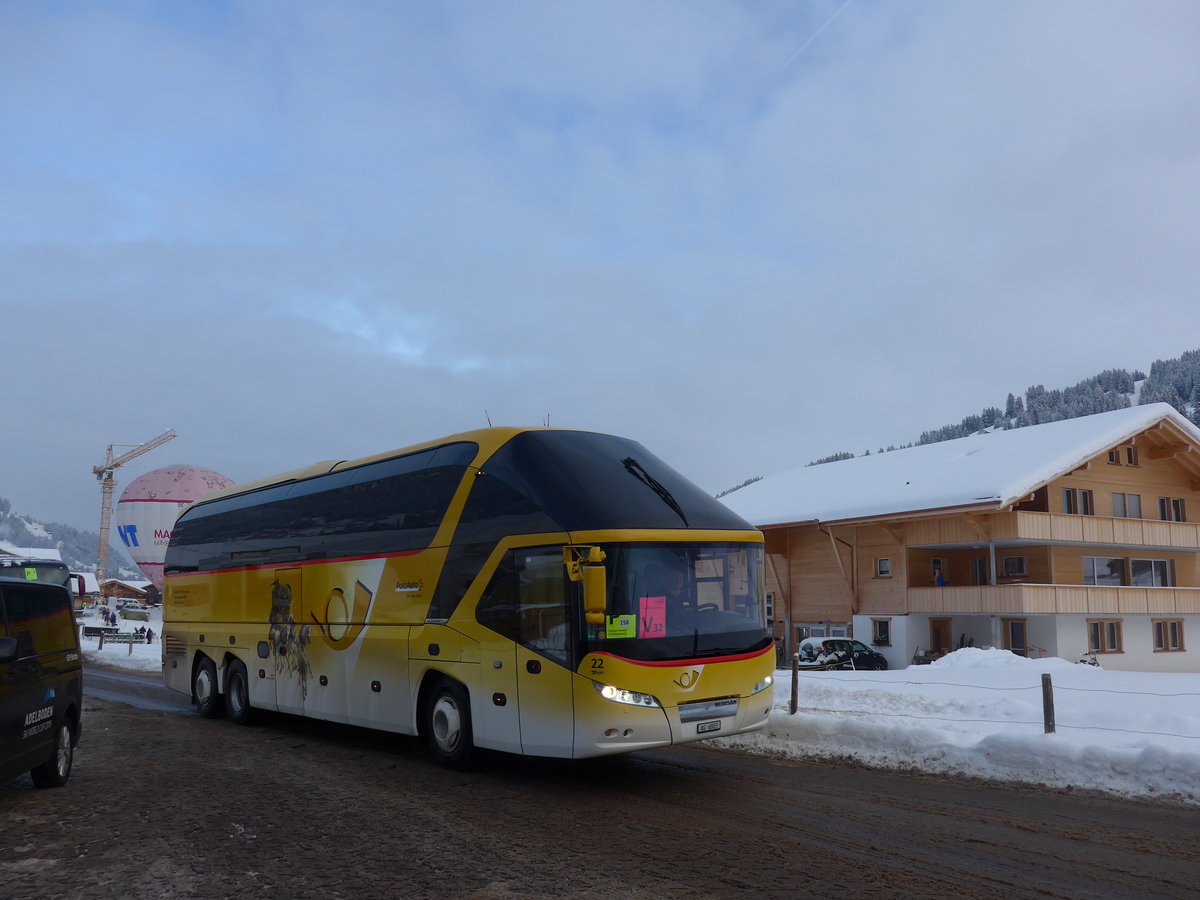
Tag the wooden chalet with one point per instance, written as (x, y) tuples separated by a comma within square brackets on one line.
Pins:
[(1056, 539)]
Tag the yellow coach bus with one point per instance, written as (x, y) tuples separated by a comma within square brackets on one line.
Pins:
[(539, 591)]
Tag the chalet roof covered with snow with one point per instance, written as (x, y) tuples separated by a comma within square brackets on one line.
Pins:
[(30, 552), (984, 471)]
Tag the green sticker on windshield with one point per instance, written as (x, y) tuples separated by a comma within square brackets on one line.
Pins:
[(30, 573), (621, 626)]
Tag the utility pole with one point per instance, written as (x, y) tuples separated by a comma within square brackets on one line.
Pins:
[(105, 475)]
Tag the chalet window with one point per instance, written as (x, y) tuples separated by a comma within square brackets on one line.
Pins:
[(1013, 566), (1104, 635), (1153, 573), (1127, 506), (1171, 509), (1131, 457), (881, 632), (1114, 456), (1078, 502), (1104, 571), (1168, 635), (1015, 636), (883, 568)]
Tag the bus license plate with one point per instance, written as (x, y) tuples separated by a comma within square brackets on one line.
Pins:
[(706, 727)]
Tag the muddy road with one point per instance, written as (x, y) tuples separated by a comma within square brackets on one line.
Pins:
[(165, 804)]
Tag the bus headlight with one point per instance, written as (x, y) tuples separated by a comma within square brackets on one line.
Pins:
[(763, 685), (629, 698)]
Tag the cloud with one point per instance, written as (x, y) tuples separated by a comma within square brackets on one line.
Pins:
[(302, 231)]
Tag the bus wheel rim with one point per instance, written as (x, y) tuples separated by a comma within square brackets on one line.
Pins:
[(203, 686), (447, 724)]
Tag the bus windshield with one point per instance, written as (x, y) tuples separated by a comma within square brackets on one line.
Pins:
[(48, 570), (665, 602), (682, 601)]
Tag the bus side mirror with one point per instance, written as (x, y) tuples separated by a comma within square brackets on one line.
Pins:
[(595, 594), (586, 564)]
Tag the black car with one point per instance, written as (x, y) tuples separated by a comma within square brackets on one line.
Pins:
[(41, 681), (839, 653)]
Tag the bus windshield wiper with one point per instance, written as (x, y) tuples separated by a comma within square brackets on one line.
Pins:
[(637, 470)]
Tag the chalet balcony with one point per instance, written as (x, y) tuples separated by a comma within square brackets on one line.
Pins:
[(1054, 599), (1056, 528)]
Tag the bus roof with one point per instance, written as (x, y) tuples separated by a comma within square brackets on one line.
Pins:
[(488, 439)]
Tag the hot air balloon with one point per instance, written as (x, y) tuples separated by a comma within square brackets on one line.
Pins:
[(148, 507)]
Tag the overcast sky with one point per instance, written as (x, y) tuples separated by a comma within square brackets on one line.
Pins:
[(747, 234)]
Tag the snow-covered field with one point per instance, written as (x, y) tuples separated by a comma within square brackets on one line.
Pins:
[(979, 712), (975, 712)]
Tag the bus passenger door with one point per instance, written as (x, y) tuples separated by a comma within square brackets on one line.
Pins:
[(546, 703), (544, 657), (289, 638), (495, 709)]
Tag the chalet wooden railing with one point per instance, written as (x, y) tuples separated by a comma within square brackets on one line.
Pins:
[(1054, 527), (1095, 530), (1055, 599)]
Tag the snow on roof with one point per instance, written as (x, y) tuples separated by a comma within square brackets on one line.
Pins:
[(30, 552), (992, 469)]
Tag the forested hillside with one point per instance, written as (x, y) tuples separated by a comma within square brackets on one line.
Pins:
[(1173, 381), (79, 549)]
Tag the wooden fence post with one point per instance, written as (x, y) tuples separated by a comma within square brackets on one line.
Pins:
[(1048, 703), (795, 682)]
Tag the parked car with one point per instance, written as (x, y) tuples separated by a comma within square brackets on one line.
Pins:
[(41, 681), (839, 653)]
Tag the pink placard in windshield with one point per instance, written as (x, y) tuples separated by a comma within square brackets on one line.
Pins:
[(652, 617)]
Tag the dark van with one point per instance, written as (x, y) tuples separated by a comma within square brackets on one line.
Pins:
[(41, 681)]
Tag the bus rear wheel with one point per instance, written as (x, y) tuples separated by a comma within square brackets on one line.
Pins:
[(448, 725), (204, 689), (237, 694)]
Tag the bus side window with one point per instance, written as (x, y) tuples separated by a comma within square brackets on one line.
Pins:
[(526, 600), (544, 625), (497, 608)]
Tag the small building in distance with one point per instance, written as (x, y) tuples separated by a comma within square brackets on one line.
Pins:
[(125, 590), (1052, 540)]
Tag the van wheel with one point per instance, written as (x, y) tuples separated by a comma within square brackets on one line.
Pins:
[(448, 725), (204, 689), (237, 694), (55, 771)]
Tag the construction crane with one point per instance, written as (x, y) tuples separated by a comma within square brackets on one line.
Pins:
[(104, 473)]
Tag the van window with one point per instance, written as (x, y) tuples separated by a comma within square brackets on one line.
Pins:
[(39, 618)]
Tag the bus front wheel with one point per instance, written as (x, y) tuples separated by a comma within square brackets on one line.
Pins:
[(204, 689), (448, 724)]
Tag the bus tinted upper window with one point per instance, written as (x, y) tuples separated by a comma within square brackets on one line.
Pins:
[(35, 570), (389, 506), (581, 481)]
